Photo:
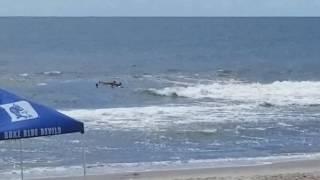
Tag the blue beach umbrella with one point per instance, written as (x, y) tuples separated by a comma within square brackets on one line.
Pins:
[(20, 118)]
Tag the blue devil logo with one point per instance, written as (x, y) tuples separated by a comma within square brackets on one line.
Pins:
[(19, 112)]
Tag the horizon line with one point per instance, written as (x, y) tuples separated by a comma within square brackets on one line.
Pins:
[(157, 16)]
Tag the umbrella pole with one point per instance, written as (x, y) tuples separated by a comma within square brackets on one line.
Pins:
[(84, 159), (21, 161)]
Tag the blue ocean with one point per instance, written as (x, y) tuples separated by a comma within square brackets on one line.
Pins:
[(197, 92)]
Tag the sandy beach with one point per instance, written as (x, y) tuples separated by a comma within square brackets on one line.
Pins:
[(294, 170)]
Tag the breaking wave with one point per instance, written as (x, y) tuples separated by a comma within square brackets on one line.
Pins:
[(186, 118), (159, 117), (276, 93)]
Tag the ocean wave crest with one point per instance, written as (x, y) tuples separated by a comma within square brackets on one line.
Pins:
[(52, 73), (276, 93), (159, 117)]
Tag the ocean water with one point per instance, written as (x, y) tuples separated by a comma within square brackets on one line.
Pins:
[(198, 92)]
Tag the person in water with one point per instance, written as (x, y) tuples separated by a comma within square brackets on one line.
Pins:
[(112, 84)]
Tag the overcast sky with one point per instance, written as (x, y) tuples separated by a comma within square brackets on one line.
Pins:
[(159, 7)]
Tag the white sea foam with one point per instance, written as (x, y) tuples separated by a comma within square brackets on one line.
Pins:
[(235, 102), (52, 73), (42, 84), (277, 93), (162, 117), (24, 75)]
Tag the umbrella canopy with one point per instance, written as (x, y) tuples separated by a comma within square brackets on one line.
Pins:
[(20, 118)]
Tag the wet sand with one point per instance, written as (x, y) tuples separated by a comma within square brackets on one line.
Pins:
[(294, 170)]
